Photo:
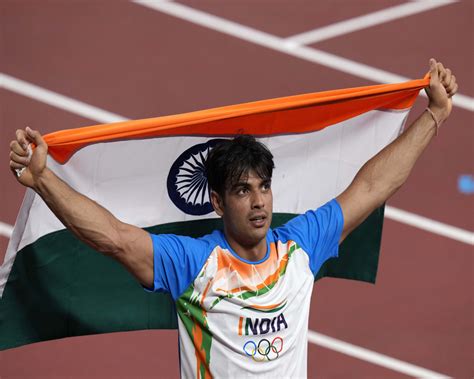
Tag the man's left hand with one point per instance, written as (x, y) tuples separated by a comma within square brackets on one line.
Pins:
[(442, 88)]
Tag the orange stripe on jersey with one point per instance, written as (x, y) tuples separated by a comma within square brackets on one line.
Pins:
[(206, 290), (266, 307), (247, 272), (226, 261), (200, 352), (241, 320)]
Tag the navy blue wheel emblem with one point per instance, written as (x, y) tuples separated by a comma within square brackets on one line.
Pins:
[(187, 181)]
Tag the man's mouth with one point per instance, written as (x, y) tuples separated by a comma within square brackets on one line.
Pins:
[(258, 220)]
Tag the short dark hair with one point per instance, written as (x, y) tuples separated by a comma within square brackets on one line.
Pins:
[(230, 159)]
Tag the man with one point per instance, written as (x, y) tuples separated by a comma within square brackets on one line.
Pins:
[(242, 294)]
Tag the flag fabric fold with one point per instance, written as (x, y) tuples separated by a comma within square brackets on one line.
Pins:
[(150, 173)]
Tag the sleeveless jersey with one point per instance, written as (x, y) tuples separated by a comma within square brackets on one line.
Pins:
[(239, 318)]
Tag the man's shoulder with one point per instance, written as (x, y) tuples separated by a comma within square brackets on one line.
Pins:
[(306, 225), (207, 241)]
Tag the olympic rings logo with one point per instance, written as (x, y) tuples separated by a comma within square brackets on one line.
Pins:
[(264, 350)]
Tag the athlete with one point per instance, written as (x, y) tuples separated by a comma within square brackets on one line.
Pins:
[(242, 294)]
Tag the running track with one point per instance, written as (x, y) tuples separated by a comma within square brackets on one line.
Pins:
[(134, 61)]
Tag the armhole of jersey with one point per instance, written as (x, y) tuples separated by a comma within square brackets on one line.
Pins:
[(194, 275), (341, 226), (303, 242), (185, 263), (152, 289), (315, 265)]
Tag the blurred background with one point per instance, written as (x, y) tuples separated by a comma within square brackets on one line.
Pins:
[(66, 64)]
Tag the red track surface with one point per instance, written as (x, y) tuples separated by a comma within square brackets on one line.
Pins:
[(139, 63)]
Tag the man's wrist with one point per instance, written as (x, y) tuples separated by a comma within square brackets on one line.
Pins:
[(41, 180), (439, 113)]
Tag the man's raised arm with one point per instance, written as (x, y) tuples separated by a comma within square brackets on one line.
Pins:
[(90, 222), (386, 172)]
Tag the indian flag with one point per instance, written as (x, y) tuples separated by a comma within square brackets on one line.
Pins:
[(150, 173)]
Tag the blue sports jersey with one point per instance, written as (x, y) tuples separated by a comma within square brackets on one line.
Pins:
[(236, 316)]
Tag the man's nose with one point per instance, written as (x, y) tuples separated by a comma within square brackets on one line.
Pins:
[(258, 200)]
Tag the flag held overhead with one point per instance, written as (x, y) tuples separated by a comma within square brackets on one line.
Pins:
[(305, 113), (53, 286)]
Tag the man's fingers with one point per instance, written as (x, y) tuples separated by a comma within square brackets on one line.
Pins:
[(17, 148), (441, 70), (19, 158), (21, 138), (35, 137), (16, 166), (433, 68), (447, 77), (453, 91), (434, 73), (451, 86)]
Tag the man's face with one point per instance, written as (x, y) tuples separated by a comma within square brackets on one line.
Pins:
[(246, 210)]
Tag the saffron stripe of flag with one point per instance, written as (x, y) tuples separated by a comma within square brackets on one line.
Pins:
[(150, 173)]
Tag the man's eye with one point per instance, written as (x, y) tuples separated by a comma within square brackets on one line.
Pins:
[(242, 191)]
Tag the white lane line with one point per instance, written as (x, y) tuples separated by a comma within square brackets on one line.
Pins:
[(6, 230), (365, 21), (372, 356), (258, 37), (429, 225), (56, 100), (97, 114)]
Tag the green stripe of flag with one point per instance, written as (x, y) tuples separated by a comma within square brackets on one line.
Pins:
[(59, 287)]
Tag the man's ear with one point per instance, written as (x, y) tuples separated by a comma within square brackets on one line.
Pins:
[(217, 203)]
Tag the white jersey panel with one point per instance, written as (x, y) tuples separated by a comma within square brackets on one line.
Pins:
[(247, 319)]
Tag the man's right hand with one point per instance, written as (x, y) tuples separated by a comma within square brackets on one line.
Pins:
[(30, 167), (90, 222)]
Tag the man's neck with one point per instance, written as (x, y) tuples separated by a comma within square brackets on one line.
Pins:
[(250, 253)]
